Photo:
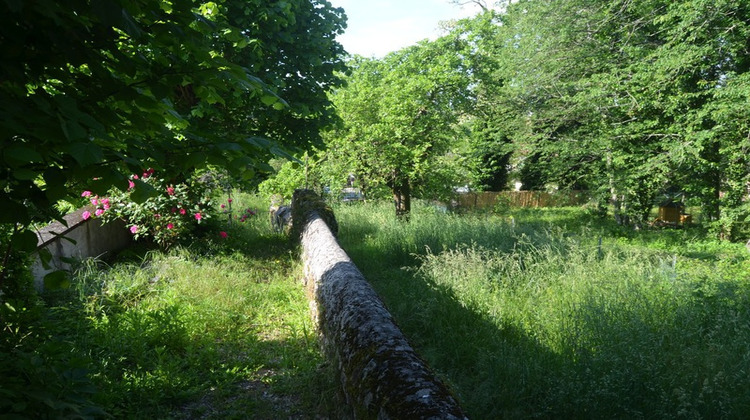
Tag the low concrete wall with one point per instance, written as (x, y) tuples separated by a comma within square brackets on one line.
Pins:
[(381, 375), (79, 240)]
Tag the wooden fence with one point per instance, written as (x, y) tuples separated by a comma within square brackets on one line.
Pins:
[(490, 199)]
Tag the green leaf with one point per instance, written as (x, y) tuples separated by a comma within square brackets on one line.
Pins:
[(106, 180), (25, 174), (74, 131), (23, 154), (193, 160), (24, 240), (11, 211), (54, 176), (57, 280), (259, 142), (45, 256), (108, 11), (142, 192), (86, 153), (269, 99), (55, 189), (248, 174), (15, 6), (130, 26), (240, 163), (229, 147)]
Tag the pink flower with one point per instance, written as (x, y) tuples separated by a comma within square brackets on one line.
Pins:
[(135, 176), (229, 200), (223, 234), (198, 216), (134, 229), (85, 215), (222, 206), (170, 190), (170, 226), (105, 203), (94, 202), (182, 211), (157, 216), (99, 212), (86, 194), (131, 185)]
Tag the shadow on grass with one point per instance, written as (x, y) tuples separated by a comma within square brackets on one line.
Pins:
[(490, 369), (621, 360), (148, 361), (146, 376)]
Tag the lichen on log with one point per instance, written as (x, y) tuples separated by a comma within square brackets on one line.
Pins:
[(382, 377)]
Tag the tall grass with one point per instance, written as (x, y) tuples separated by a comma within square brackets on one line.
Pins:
[(215, 328), (531, 317)]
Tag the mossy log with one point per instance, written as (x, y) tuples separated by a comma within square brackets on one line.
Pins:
[(382, 377)]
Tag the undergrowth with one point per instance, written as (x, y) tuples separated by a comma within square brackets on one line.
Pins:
[(554, 314), (218, 328)]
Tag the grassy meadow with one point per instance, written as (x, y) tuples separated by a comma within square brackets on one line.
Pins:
[(213, 329), (552, 313), (543, 313)]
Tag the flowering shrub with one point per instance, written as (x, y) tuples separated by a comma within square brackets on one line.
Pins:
[(176, 209), (242, 216)]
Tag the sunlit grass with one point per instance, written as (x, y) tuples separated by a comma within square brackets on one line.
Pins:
[(531, 317)]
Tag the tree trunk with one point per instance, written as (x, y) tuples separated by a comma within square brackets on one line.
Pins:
[(614, 197), (401, 196), (381, 375), (711, 207)]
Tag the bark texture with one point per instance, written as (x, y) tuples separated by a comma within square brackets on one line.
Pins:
[(381, 375)]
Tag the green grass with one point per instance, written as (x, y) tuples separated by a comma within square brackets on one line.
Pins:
[(533, 318), (218, 328), (523, 315)]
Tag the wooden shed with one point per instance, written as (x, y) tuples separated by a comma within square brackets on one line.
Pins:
[(673, 213)]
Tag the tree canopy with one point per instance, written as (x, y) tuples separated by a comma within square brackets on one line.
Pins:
[(631, 99), (400, 119), (91, 91), (635, 101)]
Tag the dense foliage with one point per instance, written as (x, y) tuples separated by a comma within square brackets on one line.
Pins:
[(93, 91), (638, 102), (217, 329), (400, 116), (632, 99)]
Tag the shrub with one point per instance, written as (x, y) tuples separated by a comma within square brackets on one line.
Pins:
[(157, 208)]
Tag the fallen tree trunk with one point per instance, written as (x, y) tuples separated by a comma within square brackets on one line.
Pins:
[(381, 375)]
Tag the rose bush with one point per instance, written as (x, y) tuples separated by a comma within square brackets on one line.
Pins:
[(171, 210)]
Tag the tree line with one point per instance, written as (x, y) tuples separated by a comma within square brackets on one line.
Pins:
[(632, 100), (637, 101)]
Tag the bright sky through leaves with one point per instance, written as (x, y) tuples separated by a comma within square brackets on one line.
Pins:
[(378, 27)]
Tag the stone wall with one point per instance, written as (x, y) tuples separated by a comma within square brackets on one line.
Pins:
[(381, 376), (79, 240)]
